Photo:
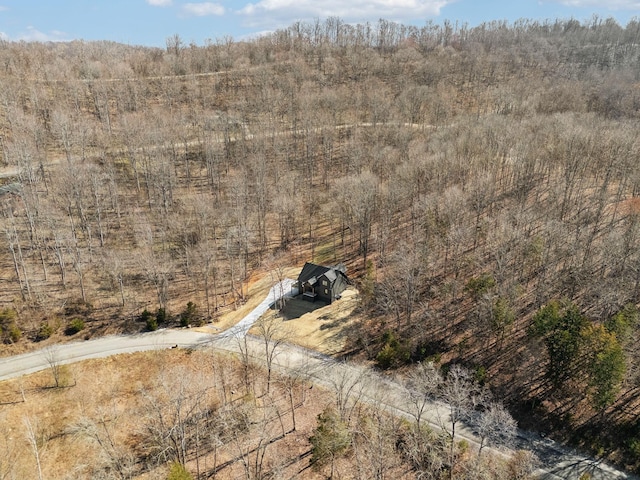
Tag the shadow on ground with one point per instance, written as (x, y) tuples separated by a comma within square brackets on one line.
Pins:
[(297, 307)]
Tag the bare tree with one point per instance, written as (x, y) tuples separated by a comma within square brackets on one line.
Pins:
[(248, 363), (117, 458), (462, 394), (349, 387), (375, 436), (276, 265), (15, 247), (422, 385), (495, 426), (522, 465), (295, 381), (158, 266), (401, 288), (36, 442), (426, 452), (52, 356), (273, 333), (114, 265), (79, 263), (251, 430), (171, 422), (357, 198)]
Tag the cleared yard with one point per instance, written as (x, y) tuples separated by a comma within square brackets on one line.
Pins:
[(316, 325)]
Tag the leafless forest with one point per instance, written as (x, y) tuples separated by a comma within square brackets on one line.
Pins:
[(480, 184)]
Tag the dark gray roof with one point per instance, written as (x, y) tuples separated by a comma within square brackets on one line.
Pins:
[(311, 272)]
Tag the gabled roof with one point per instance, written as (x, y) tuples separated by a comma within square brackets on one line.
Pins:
[(311, 272)]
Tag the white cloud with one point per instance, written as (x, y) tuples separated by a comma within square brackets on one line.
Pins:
[(203, 9), (605, 4), (267, 11), (160, 3), (4, 36), (3, 8), (34, 35)]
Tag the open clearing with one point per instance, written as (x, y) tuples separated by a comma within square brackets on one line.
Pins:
[(115, 397), (320, 327)]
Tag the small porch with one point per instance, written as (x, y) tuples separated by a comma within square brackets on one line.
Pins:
[(309, 293)]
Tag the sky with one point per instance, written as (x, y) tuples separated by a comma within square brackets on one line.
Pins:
[(151, 22)]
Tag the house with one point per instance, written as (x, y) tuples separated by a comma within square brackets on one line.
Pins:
[(317, 282)]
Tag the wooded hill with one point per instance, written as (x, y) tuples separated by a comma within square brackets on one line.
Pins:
[(479, 183)]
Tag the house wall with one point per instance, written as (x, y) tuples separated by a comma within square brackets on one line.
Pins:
[(321, 288), (325, 290)]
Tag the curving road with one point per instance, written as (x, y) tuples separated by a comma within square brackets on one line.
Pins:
[(556, 461), (18, 365)]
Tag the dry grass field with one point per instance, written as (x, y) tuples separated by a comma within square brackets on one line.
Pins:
[(105, 413), (318, 326)]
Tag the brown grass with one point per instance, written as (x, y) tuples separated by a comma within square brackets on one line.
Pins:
[(110, 389), (104, 386), (318, 326)]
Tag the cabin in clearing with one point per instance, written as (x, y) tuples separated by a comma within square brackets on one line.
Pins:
[(317, 282)]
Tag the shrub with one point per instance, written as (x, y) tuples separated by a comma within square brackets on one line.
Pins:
[(44, 332), (330, 438), (633, 445), (480, 374), (189, 315), (623, 322), (478, 286), (463, 446), (178, 472), (76, 325), (393, 352), (150, 321), (144, 316), (8, 316), (9, 330), (151, 324), (386, 357), (428, 350), (13, 333), (161, 316)]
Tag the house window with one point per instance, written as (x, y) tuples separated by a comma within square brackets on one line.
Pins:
[(324, 283), (326, 291)]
